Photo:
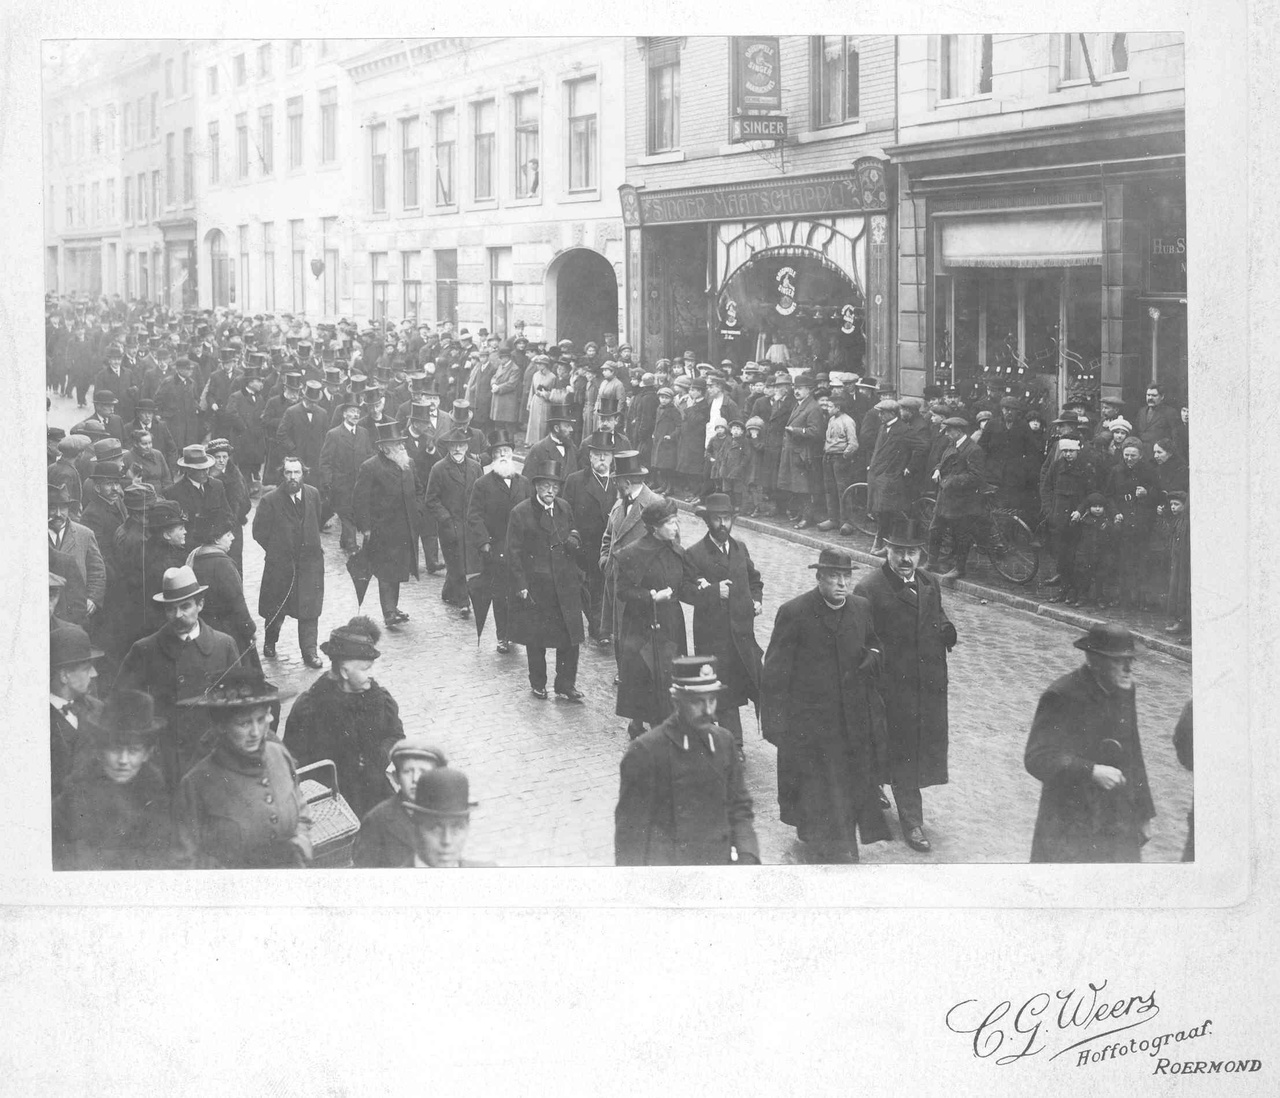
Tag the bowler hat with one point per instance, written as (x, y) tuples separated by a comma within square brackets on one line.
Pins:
[(69, 644), (905, 533), (601, 440), (500, 437), (715, 504), (442, 793), (161, 514), (60, 494), (694, 675), (1107, 638), (413, 747), (357, 640), (805, 380), (107, 470), (237, 688), (196, 457), (386, 432), (546, 469), (104, 396), (626, 463), (834, 560), (661, 509), (129, 716), (457, 437), (177, 585)]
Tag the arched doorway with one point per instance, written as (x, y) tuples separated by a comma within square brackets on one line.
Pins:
[(220, 262), (582, 297)]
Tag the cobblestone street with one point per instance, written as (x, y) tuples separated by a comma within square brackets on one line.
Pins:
[(546, 773)]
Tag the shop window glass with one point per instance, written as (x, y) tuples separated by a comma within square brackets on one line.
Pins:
[(964, 62), (835, 79)]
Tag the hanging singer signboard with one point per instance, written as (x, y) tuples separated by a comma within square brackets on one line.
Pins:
[(757, 76)]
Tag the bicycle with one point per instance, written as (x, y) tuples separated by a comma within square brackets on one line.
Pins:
[(1014, 550), (853, 510)]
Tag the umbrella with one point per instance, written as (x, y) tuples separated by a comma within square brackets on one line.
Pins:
[(657, 656), (361, 570), (480, 590)]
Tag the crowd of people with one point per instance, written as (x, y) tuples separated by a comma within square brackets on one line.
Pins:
[(167, 747)]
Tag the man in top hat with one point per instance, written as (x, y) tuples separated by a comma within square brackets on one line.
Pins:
[(608, 419), (448, 492), (441, 816), (820, 707), (624, 527), (386, 839), (893, 470), (287, 526), (244, 420), (542, 547), (302, 432), (347, 716), (590, 494), (725, 605), (1095, 804), (74, 554), (119, 381), (558, 443), (424, 426), (386, 512), (959, 510), (177, 401), (104, 410), (682, 799), (179, 660), (272, 415), (489, 507), (461, 415), (114, 811), (201, 497), (915, 636), (346, 447), (72, 670)]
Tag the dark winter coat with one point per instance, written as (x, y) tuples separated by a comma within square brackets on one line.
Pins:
[(1121, 489), (802, 446), (961, 481), (682, 799), (386, 505), (725, 628), (775, 437), (79, 544), (100, 824), (642, 418), (224, 605), (624, 528), (355, 731), (1065, 487), (341, 456), (591, 502), (541, 554), (666, 439), (244, 418), (202, 506), (820, 707), (176, 402), (300, 438), (898, 449), (386, 839), (547, 450), (915, 638), (1078, 821), (448, 491), (692, 456), (293, 571)]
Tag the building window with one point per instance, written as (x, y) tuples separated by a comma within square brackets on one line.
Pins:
[(80, 135), (294, 107), (211, 81), (155, 116), (525, 122), (378, 280), (126, 129), (215, 153), (155, 196), (128, 199), (409, 152), (483, 123), (500, 291), (71, 207), (835, 79), (329, 238), (242, 146), (411, 280), (142, 198), (264, 60), (964, 62), (328, 125), (80, 210), (378, 168), (95, 207), (186, 72), (446, 126), (111, 200), (583, 100), (141, 131), (188, 166), (295, 52), (1103, 53), (170, 171), (266, 140), (446, 287), (244, 266), (269, 266), (110, 129), (663, 62), (95, 132), (168, 78), (298, 246), (241, 70)]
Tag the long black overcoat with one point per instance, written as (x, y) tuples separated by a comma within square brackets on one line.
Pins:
[(541, 558), (386, 504), (725, 628), (293, 571)]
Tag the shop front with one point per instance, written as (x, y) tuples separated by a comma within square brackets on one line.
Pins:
[(180, 272), (793, 271)]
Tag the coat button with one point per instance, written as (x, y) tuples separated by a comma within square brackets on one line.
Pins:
[(270, 799), (263, 781)]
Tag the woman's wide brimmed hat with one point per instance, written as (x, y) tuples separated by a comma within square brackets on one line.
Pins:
[(178, 585), (442, 793), (237, 689), (626, 463), (357, 640), (834, 560), (129, 716), (1107, 638)]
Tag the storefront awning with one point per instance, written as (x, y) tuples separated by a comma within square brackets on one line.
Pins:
[(1064, 239)]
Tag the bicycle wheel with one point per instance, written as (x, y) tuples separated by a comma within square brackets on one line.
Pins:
[(853, 510), (1020, 559), (922, 510)]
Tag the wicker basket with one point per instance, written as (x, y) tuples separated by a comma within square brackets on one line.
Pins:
[(333, 823)]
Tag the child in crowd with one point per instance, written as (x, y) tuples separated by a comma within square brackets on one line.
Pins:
[(735, 462), (1095, 553), (717, 452), (753, 494), (1178, 508)]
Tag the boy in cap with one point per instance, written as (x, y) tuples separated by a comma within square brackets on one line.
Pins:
[(386, 839)]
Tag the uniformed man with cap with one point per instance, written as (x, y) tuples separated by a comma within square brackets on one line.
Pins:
[(682, 799)]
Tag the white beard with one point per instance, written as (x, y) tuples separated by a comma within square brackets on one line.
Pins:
[(504, 468), (400, 456)]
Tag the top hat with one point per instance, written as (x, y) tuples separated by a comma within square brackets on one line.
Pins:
[(661, 509), (560, 411), (608, 406), (178, 585), (314, 389), (601, 440), (546, 469), (442, 794), (357, 640), (835, 560), (387, 431), (237, 688), (414, 747), (195, 456), (626, 463), (715, 504), (129, 716), (1107, 638), (461, 409), (694, 675), (457, 437), (69, 644), (905, 533), (500, 437)]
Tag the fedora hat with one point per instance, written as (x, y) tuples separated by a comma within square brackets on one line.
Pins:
[(1107, 638), (442, 793), (161, 514), (357, 640), (129, 716), (237, 688), (178, 584), (626, 463), (805, 380), (547, 469), (69, 644), (715, 504), (195, 457), (387, 431), (601, 440), (905, 533), (414, 747), (60, 494), (500, 437), (694, 675), (457, 437), (108, 470), (835, 560)]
